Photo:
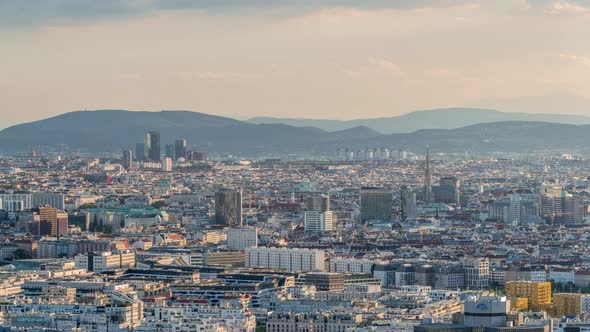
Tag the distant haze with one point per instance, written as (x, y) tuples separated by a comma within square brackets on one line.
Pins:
[(428, 119), (334, 59), (115, 130)]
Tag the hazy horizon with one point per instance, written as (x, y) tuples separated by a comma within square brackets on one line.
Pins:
[(330, 59)]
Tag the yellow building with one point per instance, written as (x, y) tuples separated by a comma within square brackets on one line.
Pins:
[(519, 304), (537, 293), (567, 304)]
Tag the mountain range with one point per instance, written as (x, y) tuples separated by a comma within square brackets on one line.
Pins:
[(115, 130), (448, 118)]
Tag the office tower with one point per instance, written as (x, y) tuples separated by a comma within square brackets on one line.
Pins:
[(359, 155), (148, 144), (127, 159), (180, 148), (51, 222), (573, 210), (369, 154), (515, 210), (228, 207), (376, 204), (242, 238), (319, 203), (152, 144), (140, 152), (551, 202), (559, 207), (427, 179), (348, 154), (317, 222), (57, 200), (169, 151), (408, 204), (448, 190), (167, 164)]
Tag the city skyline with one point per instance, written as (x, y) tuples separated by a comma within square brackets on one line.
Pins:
[(295, 166)]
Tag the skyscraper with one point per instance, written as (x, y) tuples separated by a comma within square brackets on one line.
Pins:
[(180, 148), (51, 222), (408, 204), (376, 204), (170, 151), (448, 190), (228, 207), (152, 143), (127, 159), (319, 203), (558, 206), (574, 211), (318, 217), (140, 151)]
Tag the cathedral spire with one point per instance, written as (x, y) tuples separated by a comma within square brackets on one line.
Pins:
[(427, 174), (427, 178)]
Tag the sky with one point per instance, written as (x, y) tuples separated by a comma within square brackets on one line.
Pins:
[(339, 59)]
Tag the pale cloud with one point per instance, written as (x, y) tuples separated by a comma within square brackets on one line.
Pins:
[(130, 76), (578, 59), (319, 58), (68, 12), (565, 7), (219, 75), (386, 65)]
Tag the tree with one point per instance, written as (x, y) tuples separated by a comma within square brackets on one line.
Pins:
[(159, 204), (100, 227), (21, 254), (87, 206)]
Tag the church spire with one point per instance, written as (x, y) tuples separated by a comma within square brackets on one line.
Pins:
[(427, 178), (427, 174)]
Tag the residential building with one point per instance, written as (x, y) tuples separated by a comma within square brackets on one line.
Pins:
[(241, 238), (285, 259)]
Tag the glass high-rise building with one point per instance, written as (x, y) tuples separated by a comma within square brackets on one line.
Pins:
[(170, 151), (376, 204), (180, 148), (319, 203), (127, 159), (448, 190), (408, 204), (228, 207), (152, 144), (140, 152)]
